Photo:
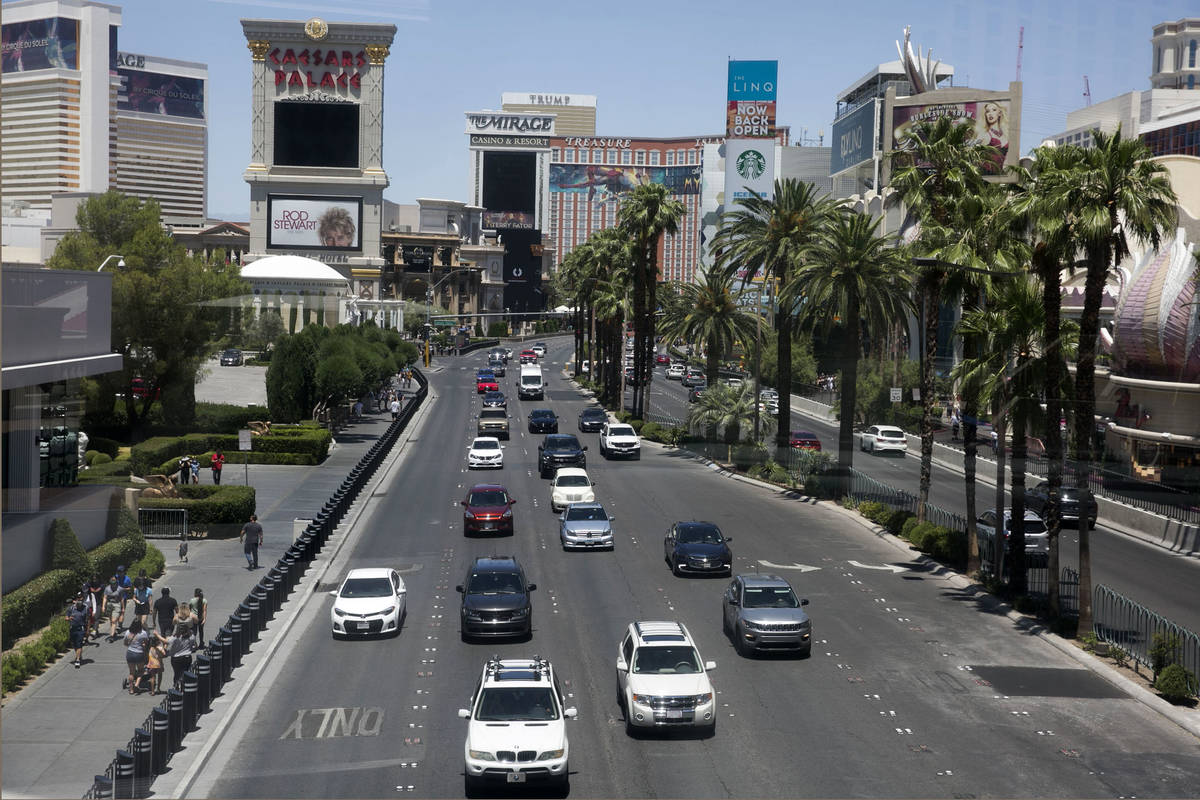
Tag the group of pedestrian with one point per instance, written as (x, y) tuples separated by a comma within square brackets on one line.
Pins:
[(826, 383), (177, 633), (189, 468)]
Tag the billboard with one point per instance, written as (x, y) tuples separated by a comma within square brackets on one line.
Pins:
[(749, 166), (157, 93), (305, 222), (608, 182), (855, 137), (40, 44), (510, 181), (508, 219), (989, 119), (750, 100), (523, 270)]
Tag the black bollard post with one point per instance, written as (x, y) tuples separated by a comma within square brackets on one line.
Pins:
[(191, 706), (203, 670), (142, 762), (248, 634), (283, 585), (102, 787), (123, 775), (292, 570), (262, 593), (235, 628), (160, 742), (226, 641), (275, 576), (216, 673), (257, 622), (174, 719)]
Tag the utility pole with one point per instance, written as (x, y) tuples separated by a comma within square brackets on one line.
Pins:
[(1020, 50)]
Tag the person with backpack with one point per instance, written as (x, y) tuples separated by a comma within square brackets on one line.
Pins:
[(180, 646), (77, 622), (94, 599), (137, 646), (142, 594)]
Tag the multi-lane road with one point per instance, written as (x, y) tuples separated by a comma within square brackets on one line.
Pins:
[(916, 687)]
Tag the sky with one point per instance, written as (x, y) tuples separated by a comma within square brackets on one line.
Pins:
[(657, 67)]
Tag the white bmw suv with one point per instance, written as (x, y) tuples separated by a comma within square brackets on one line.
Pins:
[(517, 734), (661, 679)]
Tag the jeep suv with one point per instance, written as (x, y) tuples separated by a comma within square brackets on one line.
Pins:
[(517, 732), (560, 450), (493, 422), (619, 440), (661, 680), (495, 599)]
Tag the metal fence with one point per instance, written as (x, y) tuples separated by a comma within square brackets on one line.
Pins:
[(163, 523), (1121, 622), (1037, 583), (865, 488)]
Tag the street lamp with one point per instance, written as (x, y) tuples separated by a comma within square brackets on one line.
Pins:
[(429, 307), (120, 262)]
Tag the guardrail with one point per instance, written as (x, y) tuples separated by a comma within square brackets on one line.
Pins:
[(163, 523), (1124, 623), (864, 487), (148, 753)]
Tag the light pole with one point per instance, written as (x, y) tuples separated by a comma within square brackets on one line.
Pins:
[(429, 308), (104, 263)]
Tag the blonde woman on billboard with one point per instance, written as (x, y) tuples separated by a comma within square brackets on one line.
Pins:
[(991, 128), (336, 228)]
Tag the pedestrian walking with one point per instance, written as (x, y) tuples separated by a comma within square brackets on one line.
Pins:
[(183, 548), (180, 646), (137, 645), (164, 611), (200, 609), (94, 599), (218, 463), (394, 407), (185, 470), (251, 538), (185, 617), (195, 465), (112, 598), (126, 585), (954, 424), (154, 665), (77, 622), (141, 600)]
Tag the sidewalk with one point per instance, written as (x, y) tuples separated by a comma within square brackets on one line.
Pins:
[(64, 728)]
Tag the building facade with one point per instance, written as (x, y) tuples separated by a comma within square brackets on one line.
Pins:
[(1174, 63), (574, 114)]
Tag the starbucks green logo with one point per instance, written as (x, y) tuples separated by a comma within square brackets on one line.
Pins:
[(751, 164)]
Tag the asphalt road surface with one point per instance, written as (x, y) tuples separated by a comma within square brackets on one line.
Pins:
[(914, 689)]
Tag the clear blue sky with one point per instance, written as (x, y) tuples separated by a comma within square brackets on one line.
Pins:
[(657, 67)]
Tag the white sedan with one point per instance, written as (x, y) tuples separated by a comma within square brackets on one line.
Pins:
[(570, 485), (883, 439), (675, 372), (485, 451), (370, 600)]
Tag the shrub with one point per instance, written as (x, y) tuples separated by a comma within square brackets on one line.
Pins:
[(110, 447), (211, 509), (876, 512), (99, 459), (58, 634), (1089, 641), (921, 536), (14, 673), (497, 329), (650, 430), (154, 562), (66, 552), (816, 485), (32, 605), (897, 520), (906, 528), (1164, 651), (1175, 684), (1119, 655), (637, 425), (226, 417)]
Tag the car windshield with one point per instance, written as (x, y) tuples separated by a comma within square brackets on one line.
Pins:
[(621, 430), (585, 514), (232, 353), (485, 444), (542, 415), (594, 413), (770, 597), (531, 380), (1031, 526), (366, 587), (665, 660), (488, 498), (569, 443), (493, 413), (572, 480), (494, 583), (512, 703), (697, 534)]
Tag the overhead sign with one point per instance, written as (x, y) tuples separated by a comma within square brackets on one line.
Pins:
[(40, 44), (855, 137), (749, 167), (159, 93), (509, 122), (750, 100), (525, 142), (539, 99), (314, 223)]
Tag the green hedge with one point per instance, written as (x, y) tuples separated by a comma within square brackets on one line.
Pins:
[(28, 607), (303, 445), (226, 418), (216, 511), (110, 447), (66, 553)]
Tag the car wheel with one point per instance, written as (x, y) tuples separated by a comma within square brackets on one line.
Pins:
[(739, 644), (1091, 524), (630, 729), (724, 623), (675, 568), (470, 786)]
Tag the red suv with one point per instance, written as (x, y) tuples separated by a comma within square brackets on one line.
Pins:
[(528, 357), (804, 440), (486, 383), (487, 508)]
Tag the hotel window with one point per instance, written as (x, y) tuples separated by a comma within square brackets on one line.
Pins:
[(1192, 56), (640, 157), (691, 156), (670, 158), (569, 155), (653, 158), (612, 157), (554, 154), (625, 156)]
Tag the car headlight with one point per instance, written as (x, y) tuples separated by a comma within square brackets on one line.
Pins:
[(468, 515), (481, 755), (507, 514), (545, 754), (520, 612), (472, 616), (339, 612), (703, 698), (645, 699), (388, 610)]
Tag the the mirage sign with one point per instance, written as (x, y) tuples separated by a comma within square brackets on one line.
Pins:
[(510, 122)]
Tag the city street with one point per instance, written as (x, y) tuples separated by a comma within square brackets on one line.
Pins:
[(915, 688)]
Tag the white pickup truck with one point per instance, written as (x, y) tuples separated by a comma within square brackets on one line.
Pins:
[(619, 440)]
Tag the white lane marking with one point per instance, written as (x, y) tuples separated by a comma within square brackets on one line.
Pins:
[(801, 567), (888, 567)]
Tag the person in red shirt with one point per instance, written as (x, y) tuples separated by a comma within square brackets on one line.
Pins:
[(218, 461)]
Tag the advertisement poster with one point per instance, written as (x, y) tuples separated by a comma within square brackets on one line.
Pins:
[(523, 271), (854, 137), (508, 219), (156, 93), (989, 120), (40, 44), (603, 182), (314, 223), (749, 166), (750, 100)]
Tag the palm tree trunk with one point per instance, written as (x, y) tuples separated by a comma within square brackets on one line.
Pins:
[(851, 348), (783, 346), (639, 333), (1019, 582), (970, 427), (1000, 426), (930, 305), (651, 317), (578, 336), (712, 359), (1052, 353)]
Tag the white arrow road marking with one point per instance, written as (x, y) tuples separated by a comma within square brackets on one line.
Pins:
[(888, 567), (801, 567)]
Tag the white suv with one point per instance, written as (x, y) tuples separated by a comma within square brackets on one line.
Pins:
[(619, 439), (661, 679), (517, 734)]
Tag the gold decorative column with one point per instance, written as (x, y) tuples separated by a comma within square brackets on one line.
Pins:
[(372, 103), (258, 105)]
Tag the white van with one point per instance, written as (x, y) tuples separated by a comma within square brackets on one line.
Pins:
[(531, 386)]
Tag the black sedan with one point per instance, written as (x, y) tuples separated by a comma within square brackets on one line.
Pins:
[(543, 420), (1071, 500), (231, 358), (592, 418), (697, 548), (696, 392), (495, 400)]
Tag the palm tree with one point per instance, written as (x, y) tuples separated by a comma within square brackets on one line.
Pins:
[(937, 169), (710, 312), (613, 269), (855, 274), (774, 234), (1117, 194), (729, 408), (645, 215)]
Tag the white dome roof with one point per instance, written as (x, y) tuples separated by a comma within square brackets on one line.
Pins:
[(293, 267)]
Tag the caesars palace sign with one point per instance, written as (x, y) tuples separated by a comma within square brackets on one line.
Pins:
[(318, 68)]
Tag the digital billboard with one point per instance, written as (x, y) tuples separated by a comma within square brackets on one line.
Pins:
[(523, 270), (156, 93), (607, 182), (40, 44), (854, 137), (988, 119), (306, 222), (508, 219), (749, 166), (316, 134), (750, 100), (509, 181)]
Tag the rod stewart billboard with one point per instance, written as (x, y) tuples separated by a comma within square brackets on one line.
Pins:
[(307, 222)]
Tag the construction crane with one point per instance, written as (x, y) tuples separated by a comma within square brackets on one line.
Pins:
[(1020, 50), (1087, 91)]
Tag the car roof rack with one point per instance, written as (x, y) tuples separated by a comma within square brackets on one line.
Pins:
[(660, 631), (536, 668)]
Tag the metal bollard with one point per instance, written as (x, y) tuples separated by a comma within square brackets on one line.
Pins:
[(143, 743), (256, 621), (292, 571), (123, 775), (160, 739), (248, 634), (174, 719), (191, 706), (235, 628), (226, 641), (102, 787), (262, 593), (216, 655), (203, 670), (282, 583), (275, 576)]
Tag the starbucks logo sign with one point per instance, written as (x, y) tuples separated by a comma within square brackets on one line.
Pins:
[(751, 164)]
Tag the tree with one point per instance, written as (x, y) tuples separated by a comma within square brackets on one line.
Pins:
[(709, 312), (164, 322), (936, 169), (645, 214), (730, 409), (853, 273), (291, 379), (774, 234)]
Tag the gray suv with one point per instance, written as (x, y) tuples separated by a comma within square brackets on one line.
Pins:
[(761, 612), (493, 422)]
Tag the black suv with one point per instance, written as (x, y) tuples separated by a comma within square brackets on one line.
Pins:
[(543, 420), (495, 599), (592, 418), (1037, 500), (560, 450)]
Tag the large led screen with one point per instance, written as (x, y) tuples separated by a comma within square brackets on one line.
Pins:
[(989, 122), (602, 181), (156, 93), (305, 222), (316, 134), (40, 44), (509, 182)]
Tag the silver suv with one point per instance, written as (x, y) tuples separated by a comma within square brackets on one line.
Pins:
[(761, 612), (662, 681)]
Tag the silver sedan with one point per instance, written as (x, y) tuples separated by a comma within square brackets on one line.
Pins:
[(585, 526)]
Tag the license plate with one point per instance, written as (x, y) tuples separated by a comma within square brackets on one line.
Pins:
[(516, 777), (488, 526), (674, 713), (361, 626)]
